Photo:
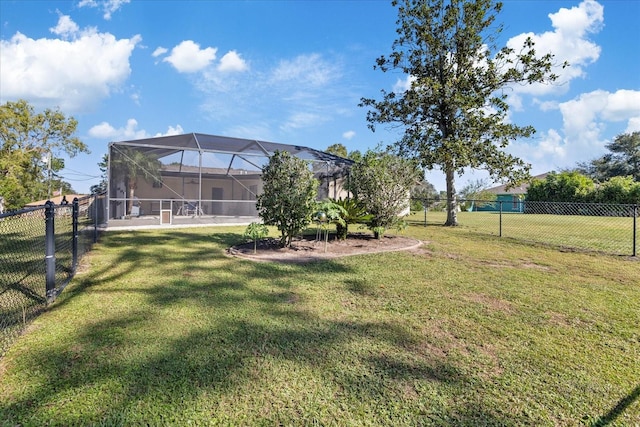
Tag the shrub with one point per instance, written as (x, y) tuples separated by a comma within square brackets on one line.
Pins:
[(289, 195), (256, 231), (382, 182), (353, 212)]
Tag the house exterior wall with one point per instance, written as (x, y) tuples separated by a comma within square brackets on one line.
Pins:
[(219, 195), (216, 196), (510, 203)]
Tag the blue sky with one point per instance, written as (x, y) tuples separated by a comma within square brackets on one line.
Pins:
[(294, 72)]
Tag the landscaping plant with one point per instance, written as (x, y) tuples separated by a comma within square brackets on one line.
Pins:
[(382, 182), (288, 200), (353, 212), (255, 231)]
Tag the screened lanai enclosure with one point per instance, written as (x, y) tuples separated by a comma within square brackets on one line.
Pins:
[(198, 178)]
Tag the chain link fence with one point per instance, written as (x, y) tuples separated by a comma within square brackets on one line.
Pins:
[(39, 251), (607, 228)]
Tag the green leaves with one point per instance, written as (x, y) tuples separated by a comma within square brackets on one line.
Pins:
[(382, 183), (25, 138), (133, 164), (454, 113), (575, 187), (289, 193), (255, 231), (623, 159)]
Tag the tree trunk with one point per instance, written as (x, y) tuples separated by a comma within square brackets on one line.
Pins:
[(132, 193), (342, 231), (452, 202)]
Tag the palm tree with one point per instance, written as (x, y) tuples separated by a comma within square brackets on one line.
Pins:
[(135, 164)]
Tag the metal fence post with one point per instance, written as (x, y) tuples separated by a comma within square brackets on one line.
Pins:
[(635, 230), (95, 217), (425, 213), (74, 241), (50, 250), (500, 232)]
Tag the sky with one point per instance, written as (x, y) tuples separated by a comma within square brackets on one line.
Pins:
[(294, 72)]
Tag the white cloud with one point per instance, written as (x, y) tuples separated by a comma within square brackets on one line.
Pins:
[(159, 51), (108, 7), (254, 130), (71, 74), (633, 125), (568, 42), (349, 134), (546, 105), (231, 61), (305, 90), (585, 119), (66, 27), (622, 105), (403, 85), (591, 110), (306, 70), (550, 147), (302, 120), (171, 131), (586, 17), (187, 57), (135, 97), (105, 131), (130, 131)]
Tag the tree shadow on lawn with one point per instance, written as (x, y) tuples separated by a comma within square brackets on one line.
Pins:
[(140, 249), (618, 409), (228, 355)]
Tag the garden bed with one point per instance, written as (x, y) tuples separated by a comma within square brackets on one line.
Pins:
[(309, 248)]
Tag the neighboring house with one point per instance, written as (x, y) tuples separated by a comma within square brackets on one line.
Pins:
[(57, 200), (512, 198)]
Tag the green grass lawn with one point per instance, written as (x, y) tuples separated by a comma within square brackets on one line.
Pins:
[(612, 235), (162, 328)]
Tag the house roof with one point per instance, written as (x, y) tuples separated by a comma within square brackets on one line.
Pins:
[(165, 145), (56, 200), (518, 189), (229, 148)]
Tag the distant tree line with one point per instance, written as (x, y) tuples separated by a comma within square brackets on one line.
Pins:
[(576, 187), (612, 178)]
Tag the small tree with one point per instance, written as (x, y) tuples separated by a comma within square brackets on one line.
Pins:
[(289, 194), (338, 150), (103, 165), (135, 164), (256, 231), (623, 159), (619, 189), (475, 193), (382, 182)]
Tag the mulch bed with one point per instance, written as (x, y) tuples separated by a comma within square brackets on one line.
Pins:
[(307, 248)]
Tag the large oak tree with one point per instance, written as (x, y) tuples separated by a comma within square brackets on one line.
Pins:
[(453, 114)]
